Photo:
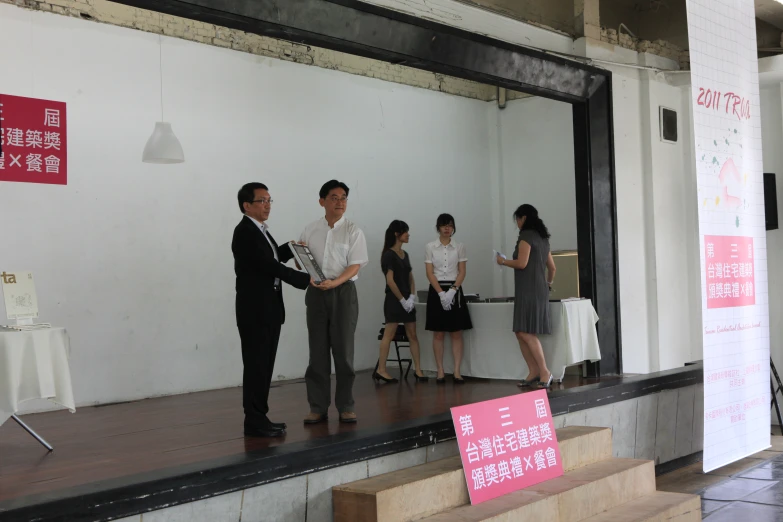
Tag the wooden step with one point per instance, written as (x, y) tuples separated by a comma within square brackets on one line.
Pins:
[(577, 495), (421, 491), (583, 445), (407, 494), (661, 506)]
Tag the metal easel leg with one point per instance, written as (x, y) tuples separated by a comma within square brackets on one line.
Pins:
[(29, 430), (775, 391), (775, 402)]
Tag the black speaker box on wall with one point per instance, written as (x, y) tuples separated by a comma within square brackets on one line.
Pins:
[(668, 124), (770, 202)]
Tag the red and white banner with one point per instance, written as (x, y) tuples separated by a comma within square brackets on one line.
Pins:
[(735, 312), (507, 444), (730, 274), (33, 140)]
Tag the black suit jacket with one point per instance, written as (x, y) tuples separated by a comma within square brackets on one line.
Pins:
[(256, 270)]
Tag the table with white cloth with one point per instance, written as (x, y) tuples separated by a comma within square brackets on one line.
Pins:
[(34, 365), (491, 349)]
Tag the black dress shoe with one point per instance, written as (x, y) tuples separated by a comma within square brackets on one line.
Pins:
[(278, 425), (263, 432)]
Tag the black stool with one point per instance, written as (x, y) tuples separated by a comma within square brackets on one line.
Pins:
[(400, 339)]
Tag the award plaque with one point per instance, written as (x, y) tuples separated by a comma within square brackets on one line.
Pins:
[(21, 301), (306, 260)]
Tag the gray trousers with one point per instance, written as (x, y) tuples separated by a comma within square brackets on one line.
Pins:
[(331, 324)]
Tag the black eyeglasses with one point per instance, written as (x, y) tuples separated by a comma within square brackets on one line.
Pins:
[(263, 201)]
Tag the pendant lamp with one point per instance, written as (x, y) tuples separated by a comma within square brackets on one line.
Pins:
[(163, 147)]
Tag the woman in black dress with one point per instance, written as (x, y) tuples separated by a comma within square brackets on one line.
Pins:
[(398, 305), (531, 261)]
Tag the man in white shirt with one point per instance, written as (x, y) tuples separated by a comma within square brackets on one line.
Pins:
[(340, 248)]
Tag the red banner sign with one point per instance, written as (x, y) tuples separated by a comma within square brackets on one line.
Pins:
[(507, 444), (33, 140)]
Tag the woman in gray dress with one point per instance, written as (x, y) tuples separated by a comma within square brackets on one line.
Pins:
[(531, 262)]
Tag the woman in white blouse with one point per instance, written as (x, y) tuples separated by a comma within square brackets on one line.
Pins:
[(447, 310)]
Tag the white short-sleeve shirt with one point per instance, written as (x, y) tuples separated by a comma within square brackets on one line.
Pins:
[(445, 259), (335, 249)]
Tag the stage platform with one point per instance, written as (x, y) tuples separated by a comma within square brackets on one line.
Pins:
[(123, 459)]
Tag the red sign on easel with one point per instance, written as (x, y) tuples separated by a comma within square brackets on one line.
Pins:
[(33, 140), (507, 444)]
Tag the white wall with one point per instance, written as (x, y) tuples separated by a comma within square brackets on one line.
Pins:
[(637, 318), (657, 216), (656, 191), (536, 164), (772, 146), (659, 272), (134, 259), (674, 220), (656, 207)]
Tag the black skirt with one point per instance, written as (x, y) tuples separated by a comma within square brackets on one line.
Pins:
[(440, 320), (393, 312)]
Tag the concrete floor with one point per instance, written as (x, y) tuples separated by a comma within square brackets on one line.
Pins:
[(751, 487)]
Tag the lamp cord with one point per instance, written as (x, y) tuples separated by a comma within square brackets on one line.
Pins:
[(160, 64)]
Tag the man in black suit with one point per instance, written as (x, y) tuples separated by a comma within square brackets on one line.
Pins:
[(258, 264)]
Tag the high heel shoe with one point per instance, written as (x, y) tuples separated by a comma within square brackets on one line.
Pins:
[(440, 380), (548, 382), (420, 378), (378, 377), (524, 383), (459, 380)]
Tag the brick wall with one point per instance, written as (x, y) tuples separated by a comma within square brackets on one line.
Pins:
[(658, 47), (143, 20)]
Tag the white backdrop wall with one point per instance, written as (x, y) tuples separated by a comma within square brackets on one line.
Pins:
[(135, 260), (537, 167)]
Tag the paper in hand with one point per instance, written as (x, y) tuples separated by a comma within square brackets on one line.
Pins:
[(495, 255)]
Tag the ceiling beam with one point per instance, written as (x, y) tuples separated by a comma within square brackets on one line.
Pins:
[(363, 29)]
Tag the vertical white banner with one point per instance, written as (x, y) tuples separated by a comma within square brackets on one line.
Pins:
[(735, 313)]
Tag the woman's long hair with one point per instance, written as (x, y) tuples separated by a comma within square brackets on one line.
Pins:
[(396, 228), (533, 222)]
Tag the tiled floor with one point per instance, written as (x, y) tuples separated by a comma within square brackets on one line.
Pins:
[(752, 487)]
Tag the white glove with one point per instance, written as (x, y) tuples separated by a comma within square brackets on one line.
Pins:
[(445, 302), (407, 305), (411, 301), (450, 296)]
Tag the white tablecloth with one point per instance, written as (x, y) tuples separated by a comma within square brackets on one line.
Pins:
[(491, 349), (34, 365)]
